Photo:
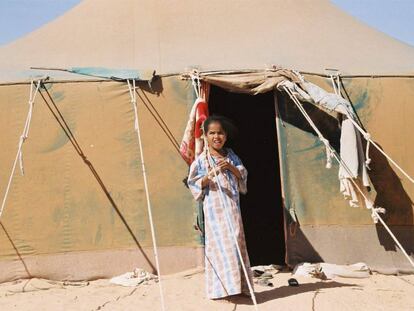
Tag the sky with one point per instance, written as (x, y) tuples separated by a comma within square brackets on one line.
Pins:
[(393, 17), (19, 17)]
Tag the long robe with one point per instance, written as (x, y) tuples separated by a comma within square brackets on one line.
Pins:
[(223, 270)]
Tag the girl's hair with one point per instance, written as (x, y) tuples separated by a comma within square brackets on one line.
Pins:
[(227, 125)]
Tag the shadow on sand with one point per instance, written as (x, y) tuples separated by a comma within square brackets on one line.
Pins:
[(286, 291)]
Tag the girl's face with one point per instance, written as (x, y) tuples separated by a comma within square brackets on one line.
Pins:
[(216, 137)]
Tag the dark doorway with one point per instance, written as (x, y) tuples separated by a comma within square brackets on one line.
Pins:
[(256, 145)]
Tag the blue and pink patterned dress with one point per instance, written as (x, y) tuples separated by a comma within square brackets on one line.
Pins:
[(223, 270)]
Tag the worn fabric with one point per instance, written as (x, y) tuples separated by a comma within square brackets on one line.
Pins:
[(223, 270), (351, 151), (326, 271), (251, 82), (352, 154)]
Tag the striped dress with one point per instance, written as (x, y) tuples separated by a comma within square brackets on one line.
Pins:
[(223, 270)]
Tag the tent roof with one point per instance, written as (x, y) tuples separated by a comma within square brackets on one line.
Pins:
[(172, 36)]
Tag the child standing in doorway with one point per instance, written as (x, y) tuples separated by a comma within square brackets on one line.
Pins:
[(223, 270)]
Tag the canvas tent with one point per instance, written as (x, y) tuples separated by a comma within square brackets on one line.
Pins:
[(58, 221)]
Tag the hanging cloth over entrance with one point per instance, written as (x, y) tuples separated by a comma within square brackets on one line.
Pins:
[(192, 144)]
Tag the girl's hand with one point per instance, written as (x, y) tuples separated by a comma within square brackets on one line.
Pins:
[(224, 165), (210, 175)]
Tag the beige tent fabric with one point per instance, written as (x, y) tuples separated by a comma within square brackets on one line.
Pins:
[(170, 36), (253, 82)]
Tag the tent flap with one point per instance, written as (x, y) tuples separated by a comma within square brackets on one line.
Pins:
[(115, 74)]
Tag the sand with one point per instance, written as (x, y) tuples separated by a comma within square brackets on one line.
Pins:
[(185, 291)]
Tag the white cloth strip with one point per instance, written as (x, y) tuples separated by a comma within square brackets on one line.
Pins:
[(223, 203), (374, 210), (132, 93), (23, 137)]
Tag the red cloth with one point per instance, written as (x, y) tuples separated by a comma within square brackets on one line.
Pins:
[(202, 115), (192, 143)]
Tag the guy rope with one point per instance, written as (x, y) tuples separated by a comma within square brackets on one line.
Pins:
[(369, 204), (34, 88)]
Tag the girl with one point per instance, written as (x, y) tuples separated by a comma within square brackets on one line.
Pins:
[(223, 270)]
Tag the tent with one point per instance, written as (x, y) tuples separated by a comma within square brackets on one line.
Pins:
[(64, 220)]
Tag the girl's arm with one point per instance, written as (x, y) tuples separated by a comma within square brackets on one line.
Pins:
[(197, 181), (205, 181)]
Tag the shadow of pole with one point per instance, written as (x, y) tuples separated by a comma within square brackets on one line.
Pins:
[(61, 120), (16, 250), (392, 196), (286, 291)]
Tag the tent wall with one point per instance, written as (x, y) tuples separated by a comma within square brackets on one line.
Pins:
[(329, 229), (58, 220), (59, 224)]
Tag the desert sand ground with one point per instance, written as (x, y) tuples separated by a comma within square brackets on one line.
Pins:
[(185, 291)]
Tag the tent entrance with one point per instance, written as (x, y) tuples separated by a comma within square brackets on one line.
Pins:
[(256, 145)]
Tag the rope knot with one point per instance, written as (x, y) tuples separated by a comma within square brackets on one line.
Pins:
[(85, 159), (22, 139), (375, 212)]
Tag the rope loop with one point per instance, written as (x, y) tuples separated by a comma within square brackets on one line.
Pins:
[(25, 134), (333, 84), (195, 80), (338, 78)]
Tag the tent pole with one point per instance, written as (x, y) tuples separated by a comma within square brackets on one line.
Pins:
[(144, 173)]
